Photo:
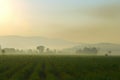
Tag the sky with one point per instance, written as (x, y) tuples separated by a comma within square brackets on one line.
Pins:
[(87, 21)]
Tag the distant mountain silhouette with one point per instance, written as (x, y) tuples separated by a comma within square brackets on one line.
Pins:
[(31, 42), (102, 47)]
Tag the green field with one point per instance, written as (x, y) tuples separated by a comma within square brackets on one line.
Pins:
[(59, 68)]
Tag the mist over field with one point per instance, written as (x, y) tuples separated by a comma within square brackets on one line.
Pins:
[(28, 45), (59, 39)]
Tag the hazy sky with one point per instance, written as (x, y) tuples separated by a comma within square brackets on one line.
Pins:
[(74, 20)]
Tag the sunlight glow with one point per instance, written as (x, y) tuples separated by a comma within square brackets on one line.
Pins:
[(5, 11)]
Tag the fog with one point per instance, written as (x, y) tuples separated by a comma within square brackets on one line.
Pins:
[(60, 25)]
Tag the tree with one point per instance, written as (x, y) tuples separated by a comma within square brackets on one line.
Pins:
[(3, 51), (106, 54), (48, 50), (94, 50), (86, 50), (40, 49), (109, 52)]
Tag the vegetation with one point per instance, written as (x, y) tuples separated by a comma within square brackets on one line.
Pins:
[(59, 67), (87, 50), (40, 48)]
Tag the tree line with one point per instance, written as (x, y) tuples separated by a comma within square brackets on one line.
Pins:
[(88, 50)]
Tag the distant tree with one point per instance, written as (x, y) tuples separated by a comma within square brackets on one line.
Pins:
[(94, 50), (106, 54), (109, 52), (3, 52), (40, 49), (10, 50), (86, 50), (48, 50)]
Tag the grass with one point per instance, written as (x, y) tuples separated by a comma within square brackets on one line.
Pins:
[(52, 67)]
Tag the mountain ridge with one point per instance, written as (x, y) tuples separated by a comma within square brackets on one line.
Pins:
[(25, 42)]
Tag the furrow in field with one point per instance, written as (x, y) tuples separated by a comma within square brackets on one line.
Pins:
[(24, 73)]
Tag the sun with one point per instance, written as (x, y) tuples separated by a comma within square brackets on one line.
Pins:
[(5, 11)]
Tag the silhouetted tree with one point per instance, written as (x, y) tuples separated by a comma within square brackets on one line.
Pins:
[(86, 50), (10, 50), (3, 52), (106, 54), (109, 52), (94, 50), (40, 49)]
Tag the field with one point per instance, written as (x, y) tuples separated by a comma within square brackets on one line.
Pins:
[(59, 68)]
